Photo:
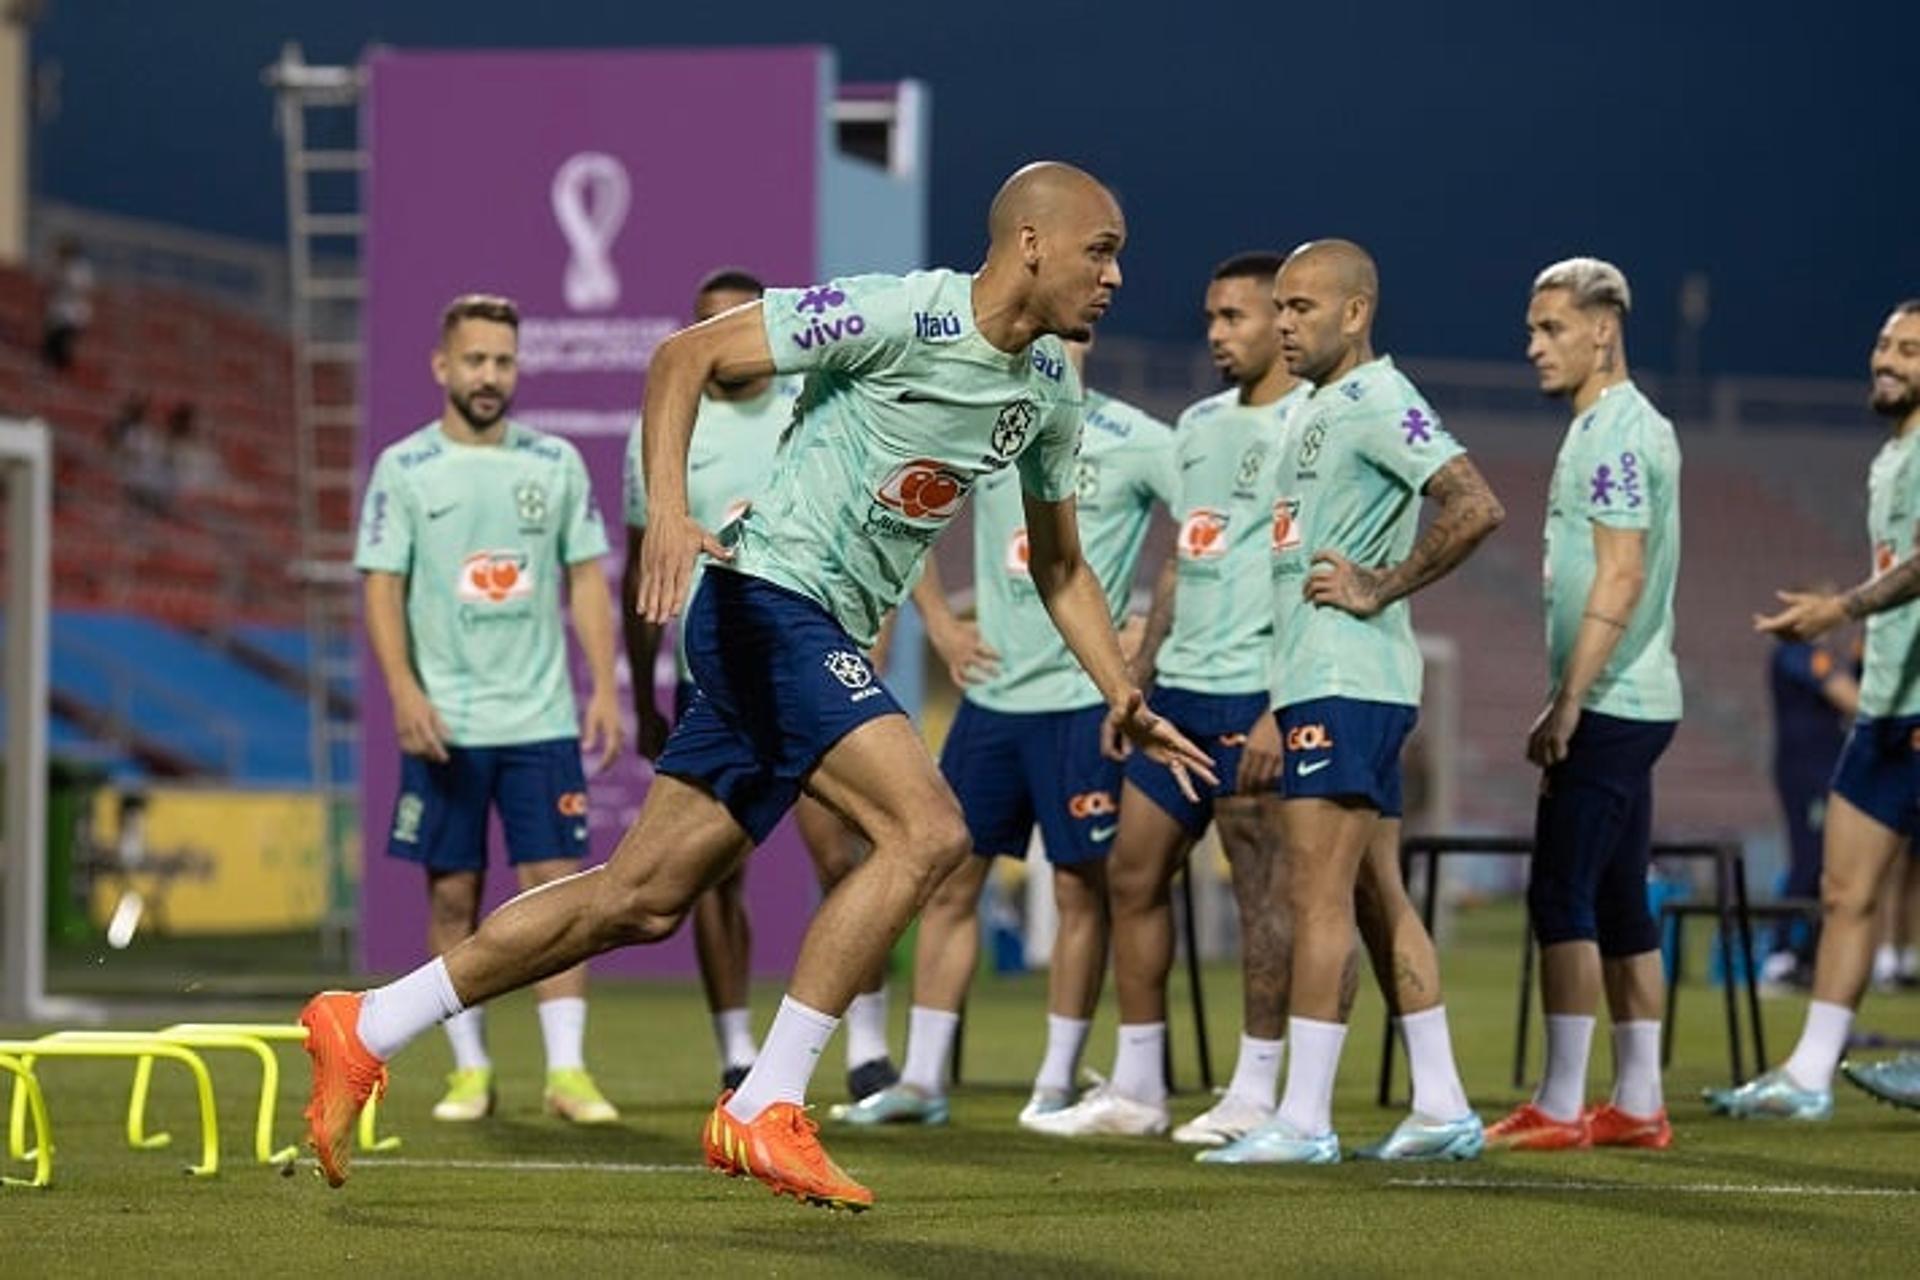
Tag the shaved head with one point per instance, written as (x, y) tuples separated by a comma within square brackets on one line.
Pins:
[(1054, 260), (1327, 292), (1041, 193), (1349, 268)]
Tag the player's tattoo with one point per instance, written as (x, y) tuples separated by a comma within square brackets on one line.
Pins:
[(1406, 977), (1469, 511), (1890, 590)]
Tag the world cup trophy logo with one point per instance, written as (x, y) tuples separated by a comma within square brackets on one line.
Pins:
[(591, 192)]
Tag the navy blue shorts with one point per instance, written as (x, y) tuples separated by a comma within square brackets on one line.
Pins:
[(1593, 834), (779, 682), (1345, 748), (1879, 772), (683, 695), (1011, 769), (539, 789), (1217, 723)]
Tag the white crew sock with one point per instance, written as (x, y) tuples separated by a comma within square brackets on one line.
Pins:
[(866, 1021), (1256, 1075), (1140, 1062), (929, 1040), (563, 1028), (1312, 1063), (786, 1062), (467, 1033), (1636, 1068), (1066, 1037), (733, 1033), (391, 1016), (1821, 1043), (1563, 1090), (1437, 1091)]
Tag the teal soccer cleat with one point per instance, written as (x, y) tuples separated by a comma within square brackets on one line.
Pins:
[(1275, 1142), (896, 1104), (1418, 1138), (1892, 1080), (1770, 1095)]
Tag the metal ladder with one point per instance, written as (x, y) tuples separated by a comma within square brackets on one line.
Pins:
[(319, 127)]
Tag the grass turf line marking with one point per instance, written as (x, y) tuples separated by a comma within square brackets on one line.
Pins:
[(1680, 1188), (529, 1166)]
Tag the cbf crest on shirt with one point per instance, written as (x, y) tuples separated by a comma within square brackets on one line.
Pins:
[(906, 409), (483, 534)]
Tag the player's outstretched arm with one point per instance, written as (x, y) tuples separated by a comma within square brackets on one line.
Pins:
[(1619, 577), (731, 346), (1469, 511), (1071, 593), (1811, 614)]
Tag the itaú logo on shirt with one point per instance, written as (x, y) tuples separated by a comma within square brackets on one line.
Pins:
[(494, 577), (924, 490), (1018, 553), (1286, 525), (1203, 534)]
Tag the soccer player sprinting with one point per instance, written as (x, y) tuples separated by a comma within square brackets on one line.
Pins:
[(735, 438), (1873, 809), (1210, 679), (470, 526), (1024, 750), (893, 433), (1612, 558), (1347, 690)]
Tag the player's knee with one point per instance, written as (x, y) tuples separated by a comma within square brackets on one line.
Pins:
[(1626, 927), (943, 843), (1080, 893), (632, 915), (1845, 895), (1135, 890)]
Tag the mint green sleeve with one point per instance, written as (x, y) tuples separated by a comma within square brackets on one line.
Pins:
[(1159, 464), (854, 324), (386, 522), (582, 535), (1617, 481), (633, 482), (1047, 465), (1406, 441)]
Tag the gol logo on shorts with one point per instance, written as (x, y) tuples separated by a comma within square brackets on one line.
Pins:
[(493, 577), (924, 489), (1309, 737), (572, 804), (1092, 804), (1203, 534)]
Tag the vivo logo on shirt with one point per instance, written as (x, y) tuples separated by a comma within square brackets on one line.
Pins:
[(935, 326), (821, 333)]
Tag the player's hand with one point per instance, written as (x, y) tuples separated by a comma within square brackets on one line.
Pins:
[(1808, 614), (969, 659), (1130, 726), (1260, 759), (1338, 582), (600, 730), (420, 729), (667, 554), (1552, 730), (650, 727)]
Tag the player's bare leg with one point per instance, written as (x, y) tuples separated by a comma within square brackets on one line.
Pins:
[(570, 1092), (453, 913), (836, 849), (723, 943), (1076, 967)]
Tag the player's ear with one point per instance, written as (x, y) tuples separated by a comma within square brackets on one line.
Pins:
[(1030, 246), (1358, 315), (439, 364)]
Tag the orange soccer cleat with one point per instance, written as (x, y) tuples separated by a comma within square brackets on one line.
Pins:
[(1528, 1128), (345, 1076), (1609, 1126), (780, 1149)]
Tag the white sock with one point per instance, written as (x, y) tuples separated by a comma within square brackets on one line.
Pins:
[(563, 1027), (929, 1040), (391, 1016), (866, 1021), (1312, 1064), (1140, 1062), (1636, 1068), (1437, 1091), (1563, 1090), (786, 1060), (1066, 1037), (467, 1032), (1821, 1043), (1256, 1075), (733, 1033)]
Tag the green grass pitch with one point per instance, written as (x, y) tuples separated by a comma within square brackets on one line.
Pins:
[(523, 1194)]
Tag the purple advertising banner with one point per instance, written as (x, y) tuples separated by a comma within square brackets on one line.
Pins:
[(595, 189)]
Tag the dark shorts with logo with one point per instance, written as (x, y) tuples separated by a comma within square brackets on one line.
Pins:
[(778, 683), (1217, 723), (1879, 772), (1011, 769), (1345, 748), (538, 788)]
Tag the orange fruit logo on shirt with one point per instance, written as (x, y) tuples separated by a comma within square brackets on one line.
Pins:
[(1203, 534), (494, 577), (1286, 525), (1018, 553), (924, 490)]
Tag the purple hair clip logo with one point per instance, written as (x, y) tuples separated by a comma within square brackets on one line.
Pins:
[(1418, 426), (820, 300)]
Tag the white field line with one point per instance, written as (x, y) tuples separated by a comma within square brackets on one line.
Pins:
[(1675, 1188), (525, 1166)]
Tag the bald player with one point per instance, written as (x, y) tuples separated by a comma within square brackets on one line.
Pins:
[(1347, 689), (892, 433)]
